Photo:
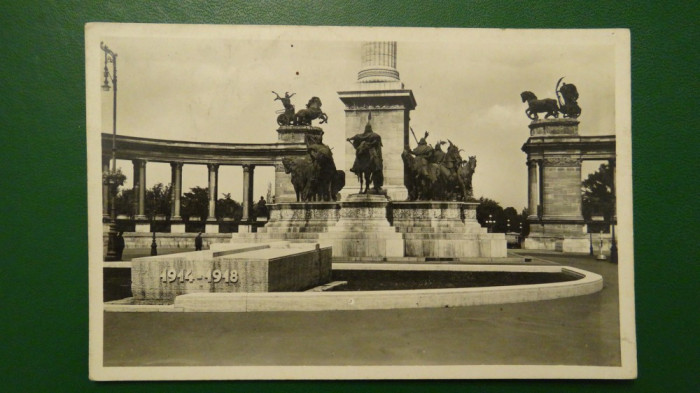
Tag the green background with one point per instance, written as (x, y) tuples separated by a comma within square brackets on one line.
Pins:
[(43, 266)]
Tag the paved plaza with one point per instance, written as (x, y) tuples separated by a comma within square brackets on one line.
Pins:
[(580, 330)]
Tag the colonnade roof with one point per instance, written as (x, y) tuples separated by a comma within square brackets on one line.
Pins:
[(588, 147), (187, 152)]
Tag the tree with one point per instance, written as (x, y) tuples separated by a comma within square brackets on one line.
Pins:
[(512, 219), (195, 203), (523, 219), (488, 207), (228, 208), (125, 202), (158, 201), (598, 199)]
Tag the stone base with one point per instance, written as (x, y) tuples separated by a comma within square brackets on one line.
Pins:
[(142, 226), (558, 235), (573, 245), (445, 230), (363, 229), (294, 221), (172, 240), (177, 227), (297, 134), (560, 126), (276, 267), (580, 245), (245, 228), (211, 227)]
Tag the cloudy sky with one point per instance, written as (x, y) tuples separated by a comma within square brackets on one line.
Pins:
[(213, 84)]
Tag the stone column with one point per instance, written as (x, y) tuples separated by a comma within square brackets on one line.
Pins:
[(532, 194), (540, 200), (379, 90), (176, 223), (135, 192), (248, 175), (142, 223), (212, 226), (105, 190)]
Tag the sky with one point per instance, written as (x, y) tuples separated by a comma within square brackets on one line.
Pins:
[(213, 84)]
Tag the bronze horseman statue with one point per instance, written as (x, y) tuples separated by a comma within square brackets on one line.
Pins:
[(368, 159), (433, 175), (552, 107), (314, 175)]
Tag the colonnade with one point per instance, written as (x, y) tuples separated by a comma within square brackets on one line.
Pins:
[(139, 181)]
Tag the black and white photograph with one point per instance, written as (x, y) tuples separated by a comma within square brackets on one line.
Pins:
[(324, 203)]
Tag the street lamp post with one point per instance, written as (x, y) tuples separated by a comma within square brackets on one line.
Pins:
[(613, 245), (111, 57), (490, 223), (520, 236)]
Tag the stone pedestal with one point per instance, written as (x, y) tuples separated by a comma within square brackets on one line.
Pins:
[(363, 230), (211, 226), (297, 134), (244, 228), (563, 236), (294, 221), (379, 91), (284, 191), (177, 226), (142, 225), (445, 230)]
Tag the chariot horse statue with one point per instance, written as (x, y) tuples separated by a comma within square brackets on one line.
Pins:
[(551, 107), (312, 111), (534, 106)]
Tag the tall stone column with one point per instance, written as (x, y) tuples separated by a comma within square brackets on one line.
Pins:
[(135, 190), (142, 190), (105, 190), (176, 223), (212, 225), (532, 190), (379, 90), (142, 223), (248, 176)]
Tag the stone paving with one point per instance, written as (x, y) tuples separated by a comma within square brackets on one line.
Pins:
[(572, 331)]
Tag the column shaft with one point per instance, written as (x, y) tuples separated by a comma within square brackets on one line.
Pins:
[(135, 188), (175, 190), (541, 206), (532, 188), (248, 171), (105, 189), (213, 173), (142, 188)]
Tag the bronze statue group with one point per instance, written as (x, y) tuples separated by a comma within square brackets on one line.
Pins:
[(429, 172)]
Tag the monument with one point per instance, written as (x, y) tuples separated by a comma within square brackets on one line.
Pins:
[(404, 203), (555, 151), (379, 90)]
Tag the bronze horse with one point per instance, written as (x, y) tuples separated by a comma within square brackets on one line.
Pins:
[(312, 111), (535, 106)]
